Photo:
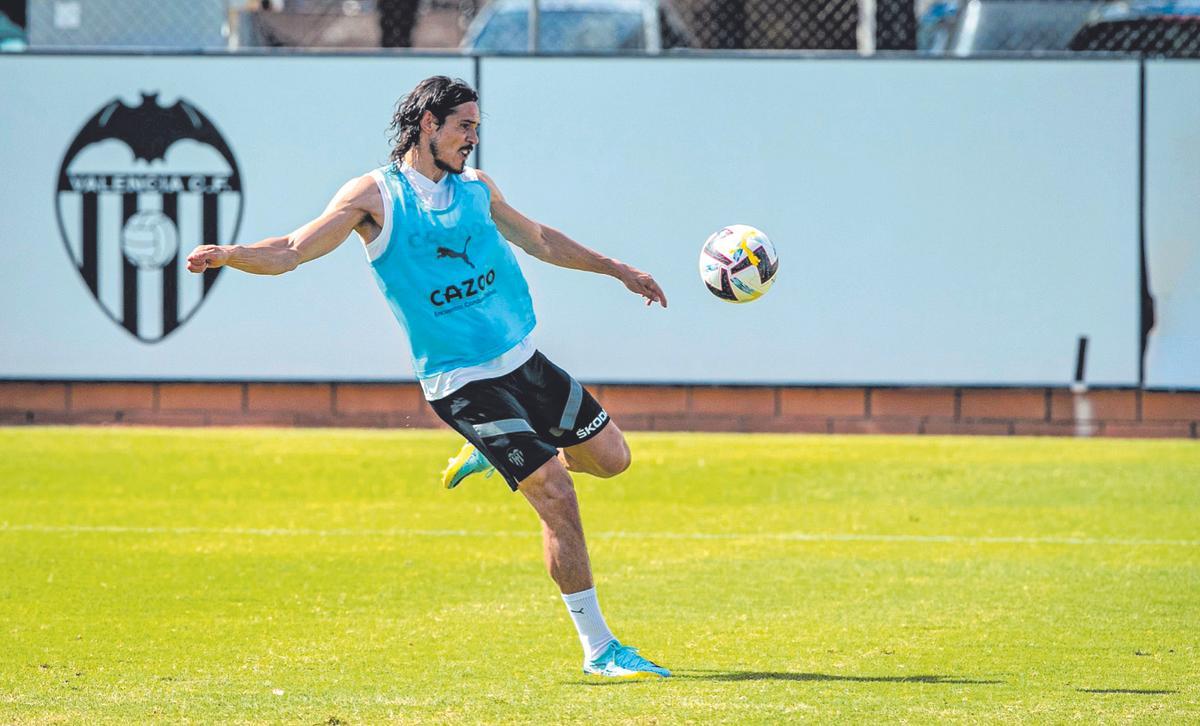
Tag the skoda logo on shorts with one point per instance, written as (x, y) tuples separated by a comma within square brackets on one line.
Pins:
[(516, 457), (139, 186)]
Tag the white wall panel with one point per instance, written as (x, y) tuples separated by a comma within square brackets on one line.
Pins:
[(944, 222), (937, 222), (1173, 222), (298, 128)]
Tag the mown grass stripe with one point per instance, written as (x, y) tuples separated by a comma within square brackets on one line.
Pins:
[(765, 536)]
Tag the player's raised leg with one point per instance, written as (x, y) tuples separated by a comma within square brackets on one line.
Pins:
[(552, 494), (604, 455)]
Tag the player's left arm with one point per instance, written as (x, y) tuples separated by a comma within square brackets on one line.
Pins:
[(550, 245)]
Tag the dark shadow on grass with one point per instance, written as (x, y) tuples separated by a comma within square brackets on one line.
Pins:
[(733, 676), (1131, 691), (705, 675)]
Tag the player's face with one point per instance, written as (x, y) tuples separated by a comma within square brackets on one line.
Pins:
[(454, 140)]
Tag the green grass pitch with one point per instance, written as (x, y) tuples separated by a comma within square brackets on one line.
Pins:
[(247, 576)]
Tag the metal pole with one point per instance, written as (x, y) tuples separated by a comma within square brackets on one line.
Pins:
[(534, 13)]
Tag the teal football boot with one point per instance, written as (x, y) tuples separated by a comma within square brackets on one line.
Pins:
[(466, 462), (622, 661)]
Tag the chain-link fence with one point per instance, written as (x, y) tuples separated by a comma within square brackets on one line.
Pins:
[(949, 27)]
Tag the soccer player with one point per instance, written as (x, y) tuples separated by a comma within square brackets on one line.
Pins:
[(435, 234)]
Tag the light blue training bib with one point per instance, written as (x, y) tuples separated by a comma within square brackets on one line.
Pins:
[(448, 275)]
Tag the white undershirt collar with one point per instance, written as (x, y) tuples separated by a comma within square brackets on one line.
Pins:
[(436, 195), (419, 179)]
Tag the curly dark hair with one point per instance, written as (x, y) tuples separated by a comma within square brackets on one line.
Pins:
[(439, 95)]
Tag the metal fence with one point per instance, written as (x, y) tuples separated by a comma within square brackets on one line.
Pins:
[(932, 27)]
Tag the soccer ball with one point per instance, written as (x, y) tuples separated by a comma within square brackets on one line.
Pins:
[(738, 264)]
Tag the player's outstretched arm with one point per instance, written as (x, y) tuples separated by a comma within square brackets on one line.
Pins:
[(550, 245), (356, 202)]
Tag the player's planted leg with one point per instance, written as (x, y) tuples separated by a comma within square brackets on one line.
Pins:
[(552, 494)]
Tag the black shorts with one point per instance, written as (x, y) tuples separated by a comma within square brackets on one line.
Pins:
[(519, 421)]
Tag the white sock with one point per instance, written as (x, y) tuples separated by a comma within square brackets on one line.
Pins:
[(594, 634)]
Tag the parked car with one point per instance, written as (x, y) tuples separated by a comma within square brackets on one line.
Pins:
[(12, 38), (1169, 29), (934, 26), (1020, 26), (578, 26)]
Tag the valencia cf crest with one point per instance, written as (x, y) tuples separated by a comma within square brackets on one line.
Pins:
[(516, 457), (139, 187)]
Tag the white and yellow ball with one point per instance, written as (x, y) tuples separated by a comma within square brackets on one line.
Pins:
[(738, 263)]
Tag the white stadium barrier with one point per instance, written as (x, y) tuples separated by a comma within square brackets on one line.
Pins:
[(938, 222)]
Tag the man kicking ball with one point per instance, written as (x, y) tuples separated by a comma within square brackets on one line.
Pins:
[(437, 237)]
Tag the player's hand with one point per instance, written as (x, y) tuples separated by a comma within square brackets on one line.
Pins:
[(208, 256), (643, 284)]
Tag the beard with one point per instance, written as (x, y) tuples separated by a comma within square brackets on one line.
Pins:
[(448, 166)]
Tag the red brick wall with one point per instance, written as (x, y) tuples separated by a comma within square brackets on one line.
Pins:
[(932, 410)]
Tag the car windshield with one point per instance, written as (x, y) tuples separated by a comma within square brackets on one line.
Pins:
[(563, 31), (1018, 25)]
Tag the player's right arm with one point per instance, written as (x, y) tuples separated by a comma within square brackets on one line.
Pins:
[(358, 205)]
